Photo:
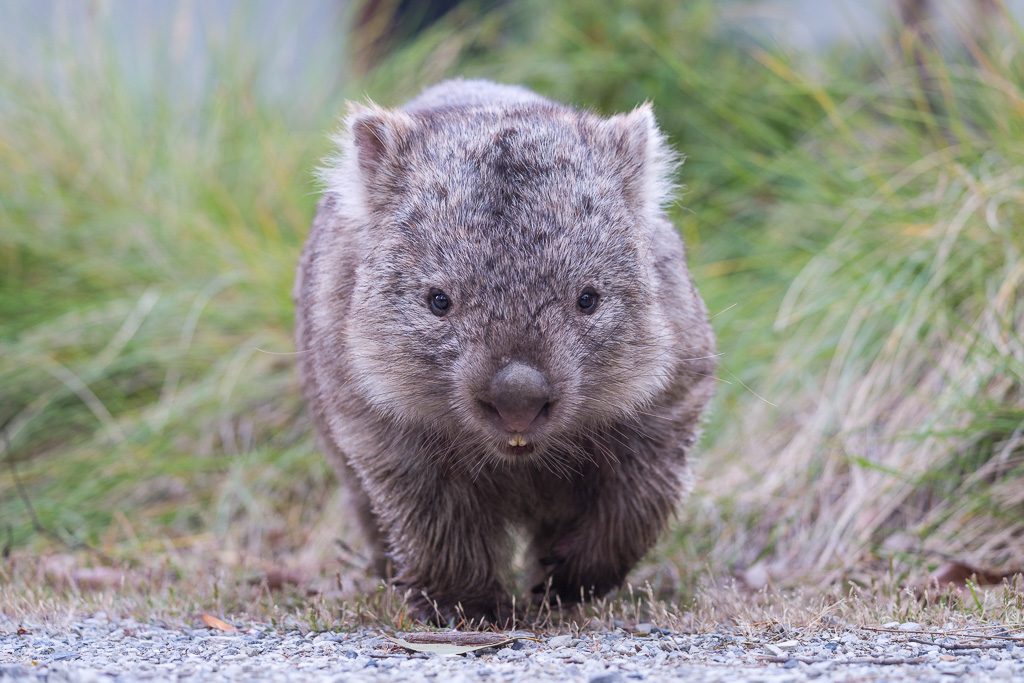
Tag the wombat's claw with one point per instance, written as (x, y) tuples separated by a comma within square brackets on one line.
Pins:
[(450, 610)]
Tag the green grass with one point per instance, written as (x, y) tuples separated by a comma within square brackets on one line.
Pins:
[(147, 259), (854, 219)]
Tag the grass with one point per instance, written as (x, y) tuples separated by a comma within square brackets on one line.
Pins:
[(145, 266), (854, 219), (179, 589)]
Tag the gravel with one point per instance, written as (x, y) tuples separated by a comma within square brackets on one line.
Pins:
[(97, 649)]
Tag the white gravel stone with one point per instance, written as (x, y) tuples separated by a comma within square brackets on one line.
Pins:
[(559, 641), (97, 649)]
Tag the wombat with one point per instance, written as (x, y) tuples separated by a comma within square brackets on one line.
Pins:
[(498, 331)]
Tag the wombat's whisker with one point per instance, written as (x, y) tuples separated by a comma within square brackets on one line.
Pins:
[(636, 411), (282, 353)]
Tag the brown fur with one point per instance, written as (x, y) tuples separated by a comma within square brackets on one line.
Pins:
[(512, 205)]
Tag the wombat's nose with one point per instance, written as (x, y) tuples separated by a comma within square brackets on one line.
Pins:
[(519, 393)]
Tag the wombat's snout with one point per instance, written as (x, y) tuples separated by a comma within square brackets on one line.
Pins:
[(518, 394)]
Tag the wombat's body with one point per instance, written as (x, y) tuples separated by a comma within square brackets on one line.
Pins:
[(497, 328)]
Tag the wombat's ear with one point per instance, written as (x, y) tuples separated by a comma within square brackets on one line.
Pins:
[(368, 167), (378, 136), (644, 158)]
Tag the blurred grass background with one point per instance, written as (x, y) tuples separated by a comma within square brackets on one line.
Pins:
[(854, 214)]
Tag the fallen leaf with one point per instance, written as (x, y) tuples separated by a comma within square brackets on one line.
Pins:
[(98, 578), (756, 576), (961, 578), (454, 642), (56, 569), (279, 578), (214, 622), (958, 574)]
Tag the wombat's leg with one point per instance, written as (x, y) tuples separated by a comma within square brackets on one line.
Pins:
[(450, 545), (620, 510), (359, 504), (587, 562), (370, 526)]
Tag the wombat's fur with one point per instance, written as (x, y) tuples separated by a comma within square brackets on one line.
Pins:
[(498, 330)]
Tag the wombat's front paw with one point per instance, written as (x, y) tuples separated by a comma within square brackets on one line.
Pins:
[(571, 575), (568, 587), (494, 606)]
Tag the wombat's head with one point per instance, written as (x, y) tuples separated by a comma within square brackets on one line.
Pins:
[(507, 297)]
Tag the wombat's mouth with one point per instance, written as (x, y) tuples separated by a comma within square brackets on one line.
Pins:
[(517, 444)]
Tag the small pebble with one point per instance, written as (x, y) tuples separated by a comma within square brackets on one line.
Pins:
[(607, 678), (61, 655), (1003, 671)]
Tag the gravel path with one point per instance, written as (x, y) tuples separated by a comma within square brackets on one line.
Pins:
[(98, 649)]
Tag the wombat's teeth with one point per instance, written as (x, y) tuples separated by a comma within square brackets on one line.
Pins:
[(517, 440)]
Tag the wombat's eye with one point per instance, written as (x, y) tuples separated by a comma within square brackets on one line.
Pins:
[(587, 301), (439, 303)]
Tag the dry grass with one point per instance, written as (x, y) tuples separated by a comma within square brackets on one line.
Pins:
[(898, 423), (177, 589)]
